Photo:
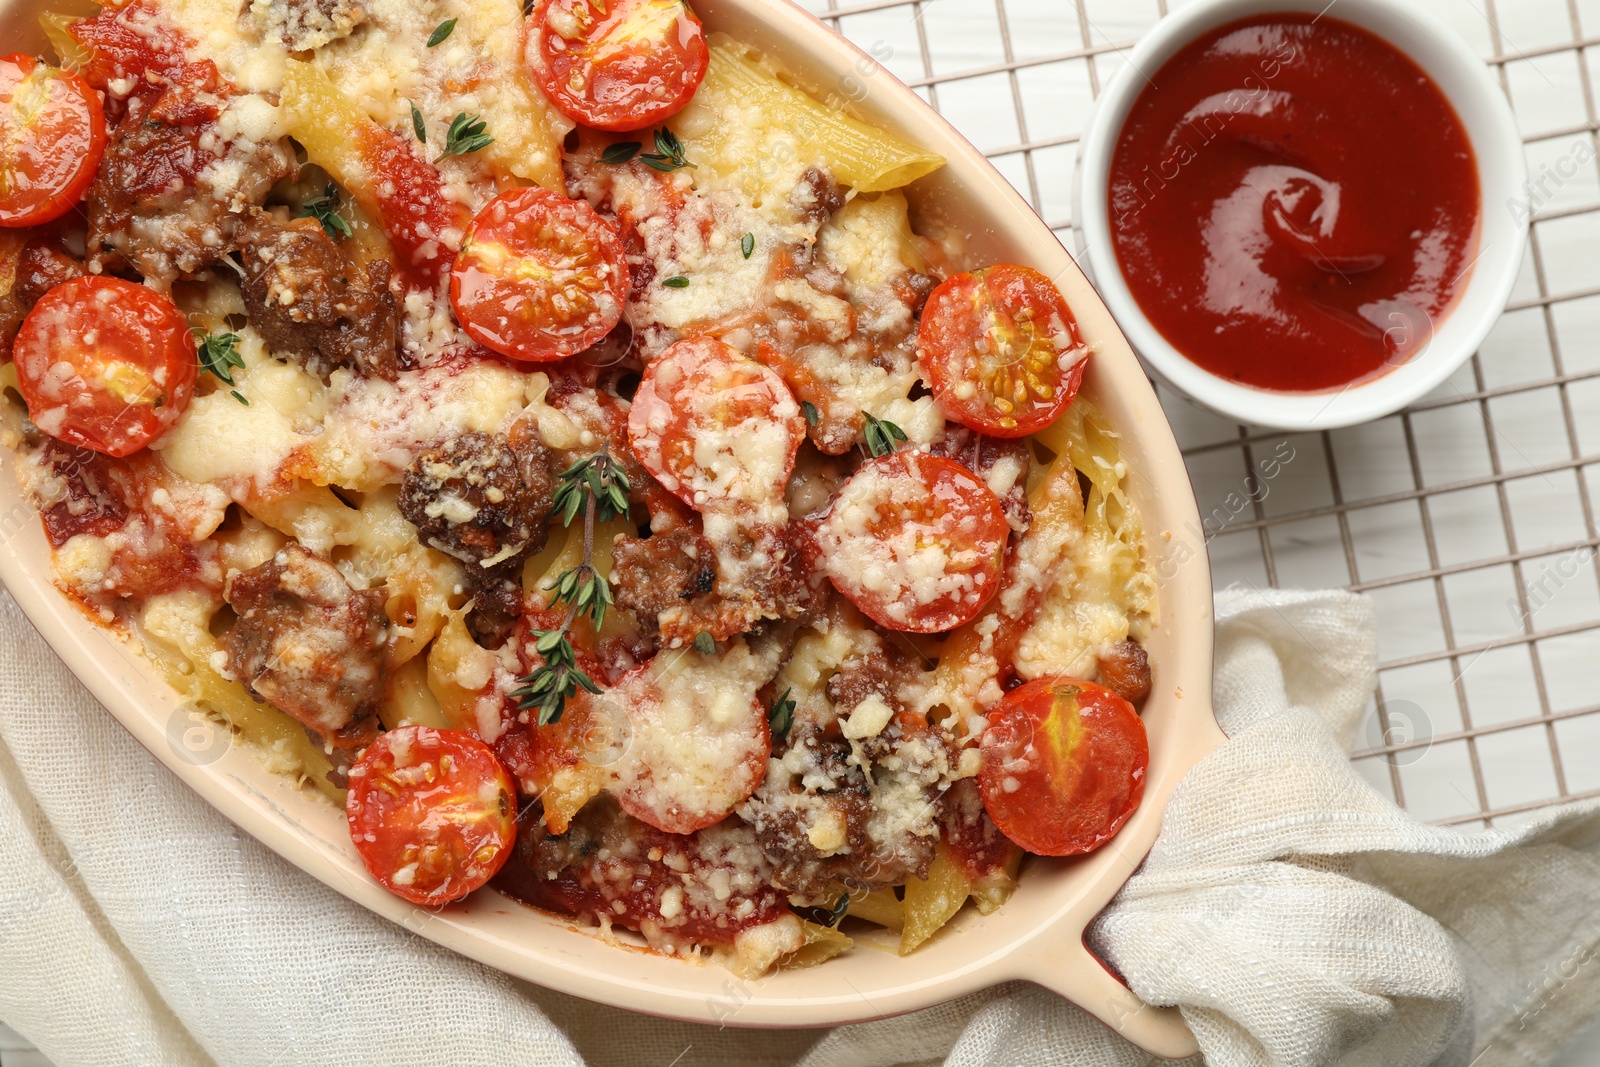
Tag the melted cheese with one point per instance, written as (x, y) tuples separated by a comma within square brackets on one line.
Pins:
[(699, 733), (375, 428), (242, 447)]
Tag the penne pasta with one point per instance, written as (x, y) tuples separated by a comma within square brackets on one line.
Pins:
[(933, 901), (178, 628), (458, 673), (744, 112), (880, 906), (821, 944), (71, 53), (410, 701)]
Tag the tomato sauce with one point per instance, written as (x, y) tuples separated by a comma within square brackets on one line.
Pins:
[(1294, 203)]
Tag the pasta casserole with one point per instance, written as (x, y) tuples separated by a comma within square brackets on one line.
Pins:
[(560, 438)]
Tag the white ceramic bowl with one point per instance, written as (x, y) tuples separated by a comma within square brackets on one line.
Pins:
[(1502, 232), (1037, 936)]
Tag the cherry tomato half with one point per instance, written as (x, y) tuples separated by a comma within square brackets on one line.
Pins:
[(52, 134), (915, 541), (696, 738), (1063, 765), (432, 812), (620, 66), (106, 364), (1000, 350), (539, 276), (715, 427)]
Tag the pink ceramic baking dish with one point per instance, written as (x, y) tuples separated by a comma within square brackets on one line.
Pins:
[(1037, 936)]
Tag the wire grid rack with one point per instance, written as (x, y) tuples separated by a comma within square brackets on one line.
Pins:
[(1470, 517)]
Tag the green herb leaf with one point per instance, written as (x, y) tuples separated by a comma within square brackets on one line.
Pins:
[(550, 685), (597, 486), (882, 435), (585, 589), (704, 643), (467, 135), (813, 416), (418, 125), (598, 475), (620, 152), (668, 155), (219, 355), (441, 31), (678, 282), (325, 209), (840, 906), (748, 245), (780, 716)]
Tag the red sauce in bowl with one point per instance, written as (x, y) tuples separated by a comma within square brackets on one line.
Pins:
[(1294, 203)]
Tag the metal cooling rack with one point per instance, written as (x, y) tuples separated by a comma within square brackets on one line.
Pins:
[(1469, 518)]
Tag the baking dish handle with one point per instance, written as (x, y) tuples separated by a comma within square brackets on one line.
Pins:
[(1091, 985)]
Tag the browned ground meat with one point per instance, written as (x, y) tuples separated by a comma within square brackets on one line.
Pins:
[(651, 574), (484, 499), (310, 302), (784, 585), (976, 844), (1002, 463), (303, 25), (93, 492), (154, 207), (609, 865), (309, 644), (40, 268), (817, 195), (832, 790), (477, 498), (918, 287), (1125, 668), (866, 673), (496, 602)]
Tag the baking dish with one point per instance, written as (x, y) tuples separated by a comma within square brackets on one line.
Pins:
[(1037, 937)]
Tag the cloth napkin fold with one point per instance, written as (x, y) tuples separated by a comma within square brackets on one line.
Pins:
[(1294, 915)]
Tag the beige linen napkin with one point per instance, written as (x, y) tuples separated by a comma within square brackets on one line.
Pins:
[(1295, 916)]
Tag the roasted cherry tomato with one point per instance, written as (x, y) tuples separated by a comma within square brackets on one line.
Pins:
[(915, 541), (1000, 350), (715, 427), (622, 65), (105, 364), (539, 276), (432, 812), (1063, 765), (696, 739), (126, 43), (52, 134)]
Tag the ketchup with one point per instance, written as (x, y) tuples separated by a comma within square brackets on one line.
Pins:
[(1294, 203)]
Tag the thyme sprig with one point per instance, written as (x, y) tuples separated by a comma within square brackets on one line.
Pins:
[(882, 436), (599, 487), (668, 154), (557, 679), (325, 209), (440, 32), (219, 355), (780, 716), (467, 134)]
